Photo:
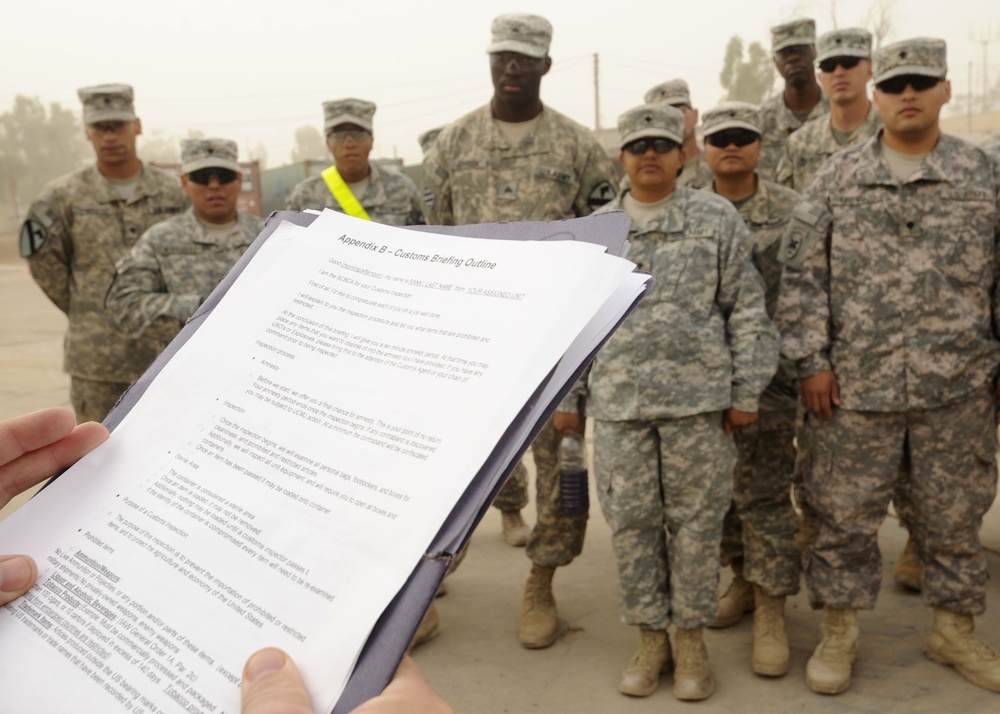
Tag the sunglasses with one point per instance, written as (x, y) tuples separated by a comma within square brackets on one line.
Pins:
[(202, 177), (641, 146), (740, 137), (896, 85), (830, 63)]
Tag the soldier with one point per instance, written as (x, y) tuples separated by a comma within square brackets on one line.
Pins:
[(78, 228), (683, 372), (173, 267), (353, 185), (793, 46), (759, 531), (889, 306), (517, 160), (675, 92)]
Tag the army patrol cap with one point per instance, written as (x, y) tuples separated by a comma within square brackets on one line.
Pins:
[(848, 42), (655, 121), (528, 35), (731, 115), (348, 111), (921, 55), (796, 32), (106, 102), (428, 138), (674, 92), (209, 153)]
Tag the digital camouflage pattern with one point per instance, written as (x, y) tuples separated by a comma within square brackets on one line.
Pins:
[(107, 102), (952, 455), (731, 115), (391, 198), (703, 323), (664, 486), (525, 34), (696, 173), (894, 286), (994, 151), (170, 271), (760, 529), (777, 124), (202, 153), (674, 92), (348, 111), (814, 143), (473, 175), (919, 55), (72, 237), (801, 31), (844, 42)]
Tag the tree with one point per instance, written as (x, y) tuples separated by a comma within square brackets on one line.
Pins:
[(309, 144), (37, 146), (158, 147), (750, 80)]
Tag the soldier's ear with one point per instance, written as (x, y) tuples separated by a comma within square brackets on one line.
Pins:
[(548, 65), (138, 126)]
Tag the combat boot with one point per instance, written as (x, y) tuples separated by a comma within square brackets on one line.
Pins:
[(770, 645), (642, 676), (539, 623), (829, 668), (953, 642), (735, 602), (692, 676), (428, 629), (909, 572), (515, 530)]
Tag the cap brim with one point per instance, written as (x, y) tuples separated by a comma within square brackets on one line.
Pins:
[(522, 48), (844, 52), (210, 163), (109, 115), (922, 70), (792, 41), (730, 124), (650, 134), (347, 119)]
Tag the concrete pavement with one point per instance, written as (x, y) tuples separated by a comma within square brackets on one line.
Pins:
[(477, 663)]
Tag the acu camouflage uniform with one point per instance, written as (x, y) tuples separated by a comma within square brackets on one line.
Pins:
[(760, 527), (893, 285), (699, 343), (778, 124), (472, 174), (84, 227), (814, 143), (391, 198), (170, 271)]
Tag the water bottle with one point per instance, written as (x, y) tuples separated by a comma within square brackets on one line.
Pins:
[(573, 493)]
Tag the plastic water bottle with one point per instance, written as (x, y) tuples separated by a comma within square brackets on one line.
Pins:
[(573, 493)]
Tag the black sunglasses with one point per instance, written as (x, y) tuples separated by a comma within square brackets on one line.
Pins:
[(830, 63), (740, 137), (202, 177), (641, 146), (896, 85)]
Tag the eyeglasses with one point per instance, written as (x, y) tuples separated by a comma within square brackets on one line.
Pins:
[(203, 177), (505, 58), (341, 136), (740, 137), (830, 63), (108, 127), (641, 146), (896, 85)]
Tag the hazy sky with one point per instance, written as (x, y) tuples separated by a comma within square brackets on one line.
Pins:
[(255, 70)]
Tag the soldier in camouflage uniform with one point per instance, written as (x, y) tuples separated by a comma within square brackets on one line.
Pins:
[(684, 371), (383, 195), (675, 92), (173, 267), (427, 139), (759, 531), (890, 308), (517, 160), (76, 230), (793, 46)]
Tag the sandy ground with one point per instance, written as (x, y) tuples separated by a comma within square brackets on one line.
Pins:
[(477, 663)]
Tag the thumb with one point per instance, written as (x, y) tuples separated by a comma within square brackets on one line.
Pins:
[(17, 574), (835, 392), (272, 685)]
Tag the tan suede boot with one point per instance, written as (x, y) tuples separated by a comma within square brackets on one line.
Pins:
[(692, 676), (735, 602), (770, 645), (829, 668), (428, 629), (515, 530), (539, 623), (909, 572), (953, 642), (642, 676)]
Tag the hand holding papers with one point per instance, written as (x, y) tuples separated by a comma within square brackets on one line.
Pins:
[(287, 469)]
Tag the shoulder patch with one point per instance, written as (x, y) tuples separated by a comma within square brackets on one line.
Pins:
[(435, 173), (603, 193), (554, 174), (808, 223), (35, 229), (429, 198)]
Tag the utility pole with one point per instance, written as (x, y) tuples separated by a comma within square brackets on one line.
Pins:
[(597, 94), (986, 40)]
